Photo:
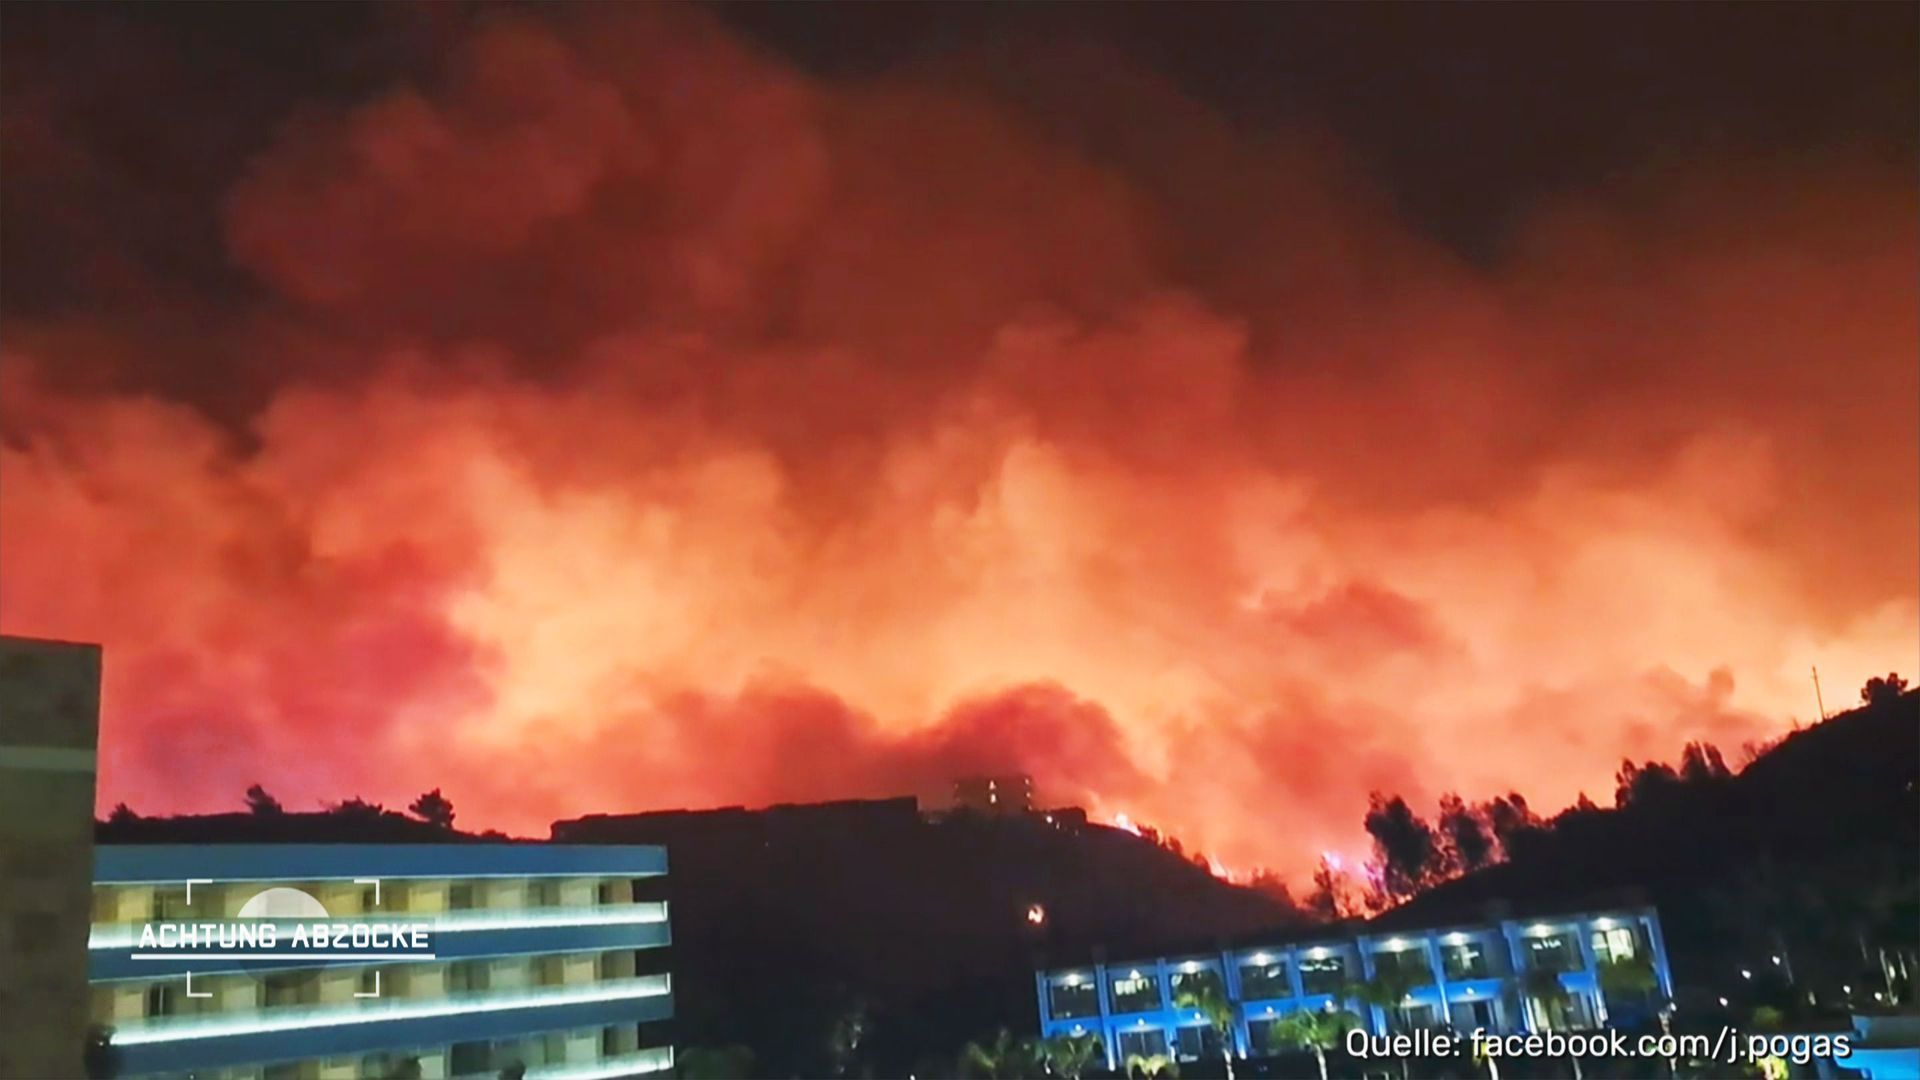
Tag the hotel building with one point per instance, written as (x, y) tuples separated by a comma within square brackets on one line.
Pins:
[(1481, 975), (547, 963)]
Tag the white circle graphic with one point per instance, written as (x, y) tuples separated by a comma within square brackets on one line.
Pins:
[(282, 903)]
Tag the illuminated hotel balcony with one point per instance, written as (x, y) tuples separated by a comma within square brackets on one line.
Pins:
[(540, 958), (457, 935), (217, 1040)]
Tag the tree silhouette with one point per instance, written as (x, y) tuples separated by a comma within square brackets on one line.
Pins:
[(434, 809), (1885, 691), (1628, 979), (1543, 990), (1407, 847), (1208, 998), (356, 807), (261, 804), (1468, 843), (1513, 822), (1152, 1067), (122, 814), (1005, 1058), (1317, 1030), (1701, 762), (848, 1033), (1069, 1055)]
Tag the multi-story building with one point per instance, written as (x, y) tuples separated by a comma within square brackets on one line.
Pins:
[(994, 794), (1485, 975), (49, 718), (546, 961)]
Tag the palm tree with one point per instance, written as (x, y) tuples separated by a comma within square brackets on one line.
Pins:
[(1387, 991), (1318, 1030), (1069, 1055), (843, 1041), (1209, 1000), (1628, 979), (1005, 1058), (1543, 987), (1156, 1067)]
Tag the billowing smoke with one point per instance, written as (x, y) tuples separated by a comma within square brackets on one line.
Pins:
[(634, 421)]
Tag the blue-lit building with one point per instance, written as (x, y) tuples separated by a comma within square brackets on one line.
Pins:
[(1468, 976), (544, 957)]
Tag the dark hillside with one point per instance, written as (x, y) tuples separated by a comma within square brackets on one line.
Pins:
[(1811, 853), (788, 918)]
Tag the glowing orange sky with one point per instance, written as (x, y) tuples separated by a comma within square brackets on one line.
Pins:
[(657, 426)]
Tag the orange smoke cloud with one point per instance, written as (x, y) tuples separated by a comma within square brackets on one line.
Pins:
[(647, 424)]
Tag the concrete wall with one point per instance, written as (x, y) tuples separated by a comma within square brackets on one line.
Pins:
[(49, 729)]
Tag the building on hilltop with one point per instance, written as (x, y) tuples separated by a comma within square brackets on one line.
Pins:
[(1011, 794)]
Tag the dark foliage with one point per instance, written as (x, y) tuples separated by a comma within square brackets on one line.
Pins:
[(1463, 829), (433, 808), (1406, 846), (792, 920), (1810, 854), (261, 803)]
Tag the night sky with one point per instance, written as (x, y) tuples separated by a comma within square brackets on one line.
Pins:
[(1218, 412)]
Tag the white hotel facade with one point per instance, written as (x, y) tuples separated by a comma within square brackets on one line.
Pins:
[(546, 964)]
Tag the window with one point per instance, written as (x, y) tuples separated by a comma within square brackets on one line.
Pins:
[(1259, 982), (1136, 991), (370, 899), (1472, 1015), (163, 999), (460, 896), (1263, 1034), (1615, 943), (1322, 974), (1196, 982), (469, 1057), (1467, 960), (1409, 963), (1071, 997), (1197, 1042), (466, 976), (1409, 1018), (291, 988), (371, 983), (549, 971), (171, 904), (1552, 952), (608, 892), (1147, 1042), (1573, 1013)]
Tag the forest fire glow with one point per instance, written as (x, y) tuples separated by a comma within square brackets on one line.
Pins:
[(623, 418)]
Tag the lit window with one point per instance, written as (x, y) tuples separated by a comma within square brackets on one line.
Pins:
[(1136, 992), (1618, 943)]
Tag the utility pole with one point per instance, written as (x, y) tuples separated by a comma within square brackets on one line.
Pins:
[(1817, 700)]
